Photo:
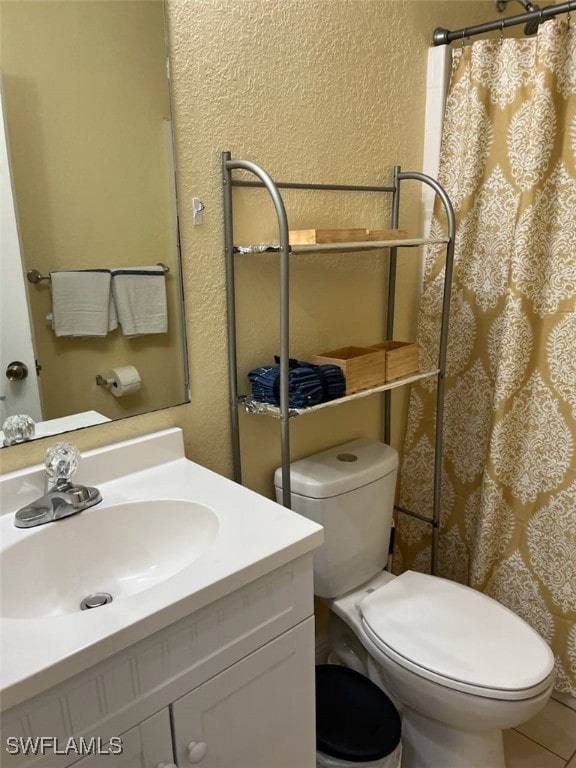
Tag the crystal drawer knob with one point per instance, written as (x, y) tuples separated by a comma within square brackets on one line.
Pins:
[(196, 751)]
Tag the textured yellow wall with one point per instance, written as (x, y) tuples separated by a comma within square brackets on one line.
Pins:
[(316, 90)]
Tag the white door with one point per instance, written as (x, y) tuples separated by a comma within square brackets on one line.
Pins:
[(259, 713), (16, 341), (147, 745)]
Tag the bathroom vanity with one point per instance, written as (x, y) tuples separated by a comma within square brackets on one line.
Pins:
[(206, 652)]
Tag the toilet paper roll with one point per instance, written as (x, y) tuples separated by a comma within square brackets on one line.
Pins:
[(125, 380)]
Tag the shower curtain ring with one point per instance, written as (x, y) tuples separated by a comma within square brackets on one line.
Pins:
[(501, 31)]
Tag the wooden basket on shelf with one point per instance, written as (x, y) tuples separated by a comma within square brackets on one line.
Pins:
[(318, 236), (363, 367), (402, 358)]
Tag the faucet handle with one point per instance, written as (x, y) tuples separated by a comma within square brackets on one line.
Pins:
[(18, 429), (62, 461)]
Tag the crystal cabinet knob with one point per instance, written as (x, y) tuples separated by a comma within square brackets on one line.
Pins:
[(62, 461), (18, 429), (197, 751)]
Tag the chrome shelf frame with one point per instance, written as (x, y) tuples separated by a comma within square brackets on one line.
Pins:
[(283, 250)]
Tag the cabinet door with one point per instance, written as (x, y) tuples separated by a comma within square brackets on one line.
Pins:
[(146, 745), (259, 713)]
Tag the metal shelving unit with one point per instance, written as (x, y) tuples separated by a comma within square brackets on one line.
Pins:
[(282, 251)]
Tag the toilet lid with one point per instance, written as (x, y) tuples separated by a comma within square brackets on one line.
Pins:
[(457, 636)]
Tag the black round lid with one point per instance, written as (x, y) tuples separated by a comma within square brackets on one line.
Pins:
[(355, 720)]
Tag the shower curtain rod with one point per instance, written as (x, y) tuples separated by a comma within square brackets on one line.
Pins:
[(444, 37)]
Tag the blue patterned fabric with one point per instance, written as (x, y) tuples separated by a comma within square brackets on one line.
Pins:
[(308, 384)]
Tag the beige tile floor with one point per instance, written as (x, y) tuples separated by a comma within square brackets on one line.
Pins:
[(546, 741)]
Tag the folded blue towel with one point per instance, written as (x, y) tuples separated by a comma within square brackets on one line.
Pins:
[(308, 384)]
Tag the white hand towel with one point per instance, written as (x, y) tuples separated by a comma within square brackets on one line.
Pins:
[(82, 303), (140, 298)]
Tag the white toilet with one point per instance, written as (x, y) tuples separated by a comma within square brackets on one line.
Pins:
[(459, 666)]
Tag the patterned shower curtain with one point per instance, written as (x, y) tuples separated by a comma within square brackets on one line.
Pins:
[(508, 163)]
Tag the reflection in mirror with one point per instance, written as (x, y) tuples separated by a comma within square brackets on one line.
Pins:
[(88, 136)]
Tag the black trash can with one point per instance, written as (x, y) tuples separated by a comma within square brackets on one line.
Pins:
[(356, 723)]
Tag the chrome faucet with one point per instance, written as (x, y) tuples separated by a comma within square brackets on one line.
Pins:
[(61, 498)]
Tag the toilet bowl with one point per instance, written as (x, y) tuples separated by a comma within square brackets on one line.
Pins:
[(459, 666), (459, 676)]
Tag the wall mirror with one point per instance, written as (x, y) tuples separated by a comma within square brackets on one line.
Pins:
[(88, 180)]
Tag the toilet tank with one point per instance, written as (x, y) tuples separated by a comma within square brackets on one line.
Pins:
[(349, 490)]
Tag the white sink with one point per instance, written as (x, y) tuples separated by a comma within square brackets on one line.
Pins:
[(168, 538), (119, 550)]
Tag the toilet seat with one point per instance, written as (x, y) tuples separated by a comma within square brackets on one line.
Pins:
[(457, 637)]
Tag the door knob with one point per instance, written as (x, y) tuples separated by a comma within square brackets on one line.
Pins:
[(16, 371)]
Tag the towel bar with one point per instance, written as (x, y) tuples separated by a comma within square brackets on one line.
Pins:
[(36, 277)]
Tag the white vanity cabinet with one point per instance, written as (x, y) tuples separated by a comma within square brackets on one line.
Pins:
[(146, 745), (230, 686), (253, 715)]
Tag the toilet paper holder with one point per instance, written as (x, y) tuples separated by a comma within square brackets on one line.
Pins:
[(121, 381), (102, 381)]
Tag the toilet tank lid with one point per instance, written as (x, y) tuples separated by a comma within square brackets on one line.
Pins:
[(340, 469)]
